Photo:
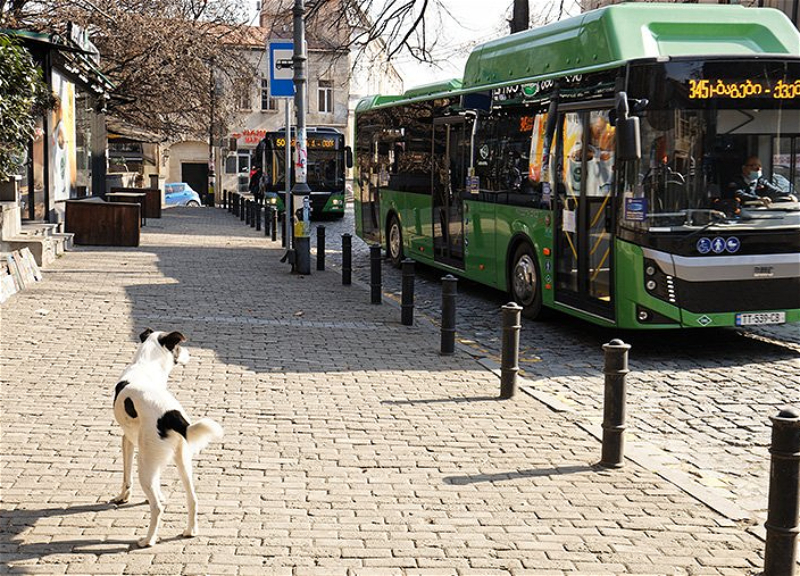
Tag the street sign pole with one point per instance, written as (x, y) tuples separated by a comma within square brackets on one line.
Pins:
[(281, 85), (287, 204), (300, 191)]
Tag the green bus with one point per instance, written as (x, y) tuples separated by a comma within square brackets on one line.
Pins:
[(594, 165), (327, 159)]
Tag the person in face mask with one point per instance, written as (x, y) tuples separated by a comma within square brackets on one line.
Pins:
[(751, 186)]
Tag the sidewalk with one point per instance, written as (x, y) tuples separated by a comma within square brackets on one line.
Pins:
[(352, 447)]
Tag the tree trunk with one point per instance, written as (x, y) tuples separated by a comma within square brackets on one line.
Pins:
[(520, 19)]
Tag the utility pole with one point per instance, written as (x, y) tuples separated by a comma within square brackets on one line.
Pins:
[(300, 192), (211, 162)]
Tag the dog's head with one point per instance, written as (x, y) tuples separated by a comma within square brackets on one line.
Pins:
[(162, 347)]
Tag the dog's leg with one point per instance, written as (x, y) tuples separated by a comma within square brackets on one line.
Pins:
[(183, 460), (149, 479), (127, 471)]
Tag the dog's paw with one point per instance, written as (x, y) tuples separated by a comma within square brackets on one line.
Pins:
[(191, 532), (146, 542), (122, 498)]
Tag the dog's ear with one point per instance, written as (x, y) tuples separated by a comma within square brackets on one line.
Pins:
[(144, 335), (169, 341)]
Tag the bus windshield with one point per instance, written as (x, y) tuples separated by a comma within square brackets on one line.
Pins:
[(325, 170), (717, 147)]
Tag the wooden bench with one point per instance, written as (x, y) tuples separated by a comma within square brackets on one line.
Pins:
[(153, 202), (98, 223)]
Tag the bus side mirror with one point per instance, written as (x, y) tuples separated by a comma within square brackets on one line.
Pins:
[(628, 135), (348, 156)]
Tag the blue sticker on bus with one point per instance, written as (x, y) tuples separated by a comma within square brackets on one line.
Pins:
[(718, 245), (732, 245), (636, 209), (703, 245)]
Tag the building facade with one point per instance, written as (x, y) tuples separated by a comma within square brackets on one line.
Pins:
[(335, 83)]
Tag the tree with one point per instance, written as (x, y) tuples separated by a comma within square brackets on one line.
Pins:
[(520, 18), (169, 60), (23, 95)]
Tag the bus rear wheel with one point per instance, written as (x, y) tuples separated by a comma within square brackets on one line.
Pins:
[(525, 282), (394, 242)]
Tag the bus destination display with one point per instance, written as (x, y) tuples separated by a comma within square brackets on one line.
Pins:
[(737, 89)]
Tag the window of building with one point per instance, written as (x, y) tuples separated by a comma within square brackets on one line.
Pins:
[(267, 103), (245, 103), (325, 96)]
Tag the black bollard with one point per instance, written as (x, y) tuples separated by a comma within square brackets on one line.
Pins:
[(241, 208), (509, 360), (253, 213), (225, 199), (234, 203), (448, 345), (780, 553), (347, 259), (283, 230), (616, 368), (274, 226), (320, 247), (407, 299), (258, 216), (375, 274)]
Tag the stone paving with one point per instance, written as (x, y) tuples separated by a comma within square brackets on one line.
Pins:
[(700, 400), (352, 447)]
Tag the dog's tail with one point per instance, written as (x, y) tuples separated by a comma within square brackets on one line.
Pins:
[(199, 434)]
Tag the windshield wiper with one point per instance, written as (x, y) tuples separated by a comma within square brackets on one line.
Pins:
[(715, 217)]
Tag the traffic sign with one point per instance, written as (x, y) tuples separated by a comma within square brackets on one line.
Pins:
[(281, 69)]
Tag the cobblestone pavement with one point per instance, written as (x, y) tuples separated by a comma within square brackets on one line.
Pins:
[(352, 447), (700, 401)]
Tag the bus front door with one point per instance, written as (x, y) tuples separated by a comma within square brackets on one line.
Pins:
[(450, 149), (583, 275)]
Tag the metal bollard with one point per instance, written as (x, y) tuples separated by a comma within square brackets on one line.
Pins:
[(616, 368), (448, 344), (274, 225), (347, 259), (234, 203), (509, 360), (258, 216), (407, 299), (375, 274), (225, 199), (780, 553), (241, 208), (253, 213), (320, 247)]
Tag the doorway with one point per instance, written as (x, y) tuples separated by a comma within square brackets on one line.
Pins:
[(195, 174), (584, 222), (451, 149)]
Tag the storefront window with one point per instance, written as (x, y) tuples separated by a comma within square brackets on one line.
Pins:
[(83, 141)]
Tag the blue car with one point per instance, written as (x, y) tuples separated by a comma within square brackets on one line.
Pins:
[(180, 194)]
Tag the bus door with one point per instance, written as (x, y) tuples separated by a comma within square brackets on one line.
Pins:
[(584, 179), (451, 147)]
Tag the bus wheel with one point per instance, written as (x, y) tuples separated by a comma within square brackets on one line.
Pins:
[(394, 242), (525, 282)]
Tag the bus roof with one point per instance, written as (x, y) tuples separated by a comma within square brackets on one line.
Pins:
[(608, 37), (612, 35)]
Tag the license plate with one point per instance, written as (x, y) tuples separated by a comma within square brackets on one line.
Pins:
[(760, 318)]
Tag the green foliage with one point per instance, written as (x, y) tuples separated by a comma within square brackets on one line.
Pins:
[(23, 96)]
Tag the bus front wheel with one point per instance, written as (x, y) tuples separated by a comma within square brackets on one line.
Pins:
[(394, 242), (525, 282)]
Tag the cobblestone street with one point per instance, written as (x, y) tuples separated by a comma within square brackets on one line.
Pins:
[(352, 447)]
